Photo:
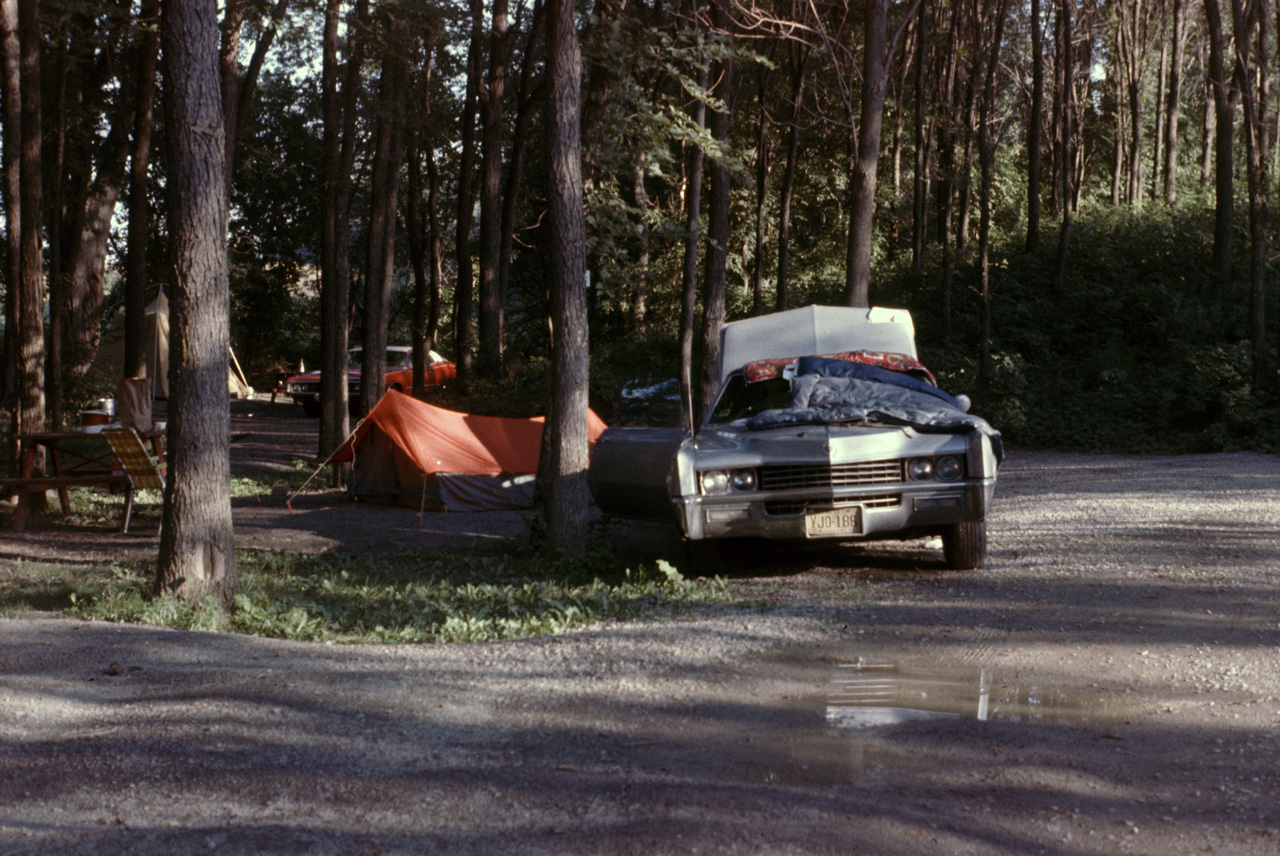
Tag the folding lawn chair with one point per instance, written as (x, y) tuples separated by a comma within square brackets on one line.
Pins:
[(142, 470)]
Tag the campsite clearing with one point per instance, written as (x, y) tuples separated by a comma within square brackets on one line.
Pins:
[(1128, 606)]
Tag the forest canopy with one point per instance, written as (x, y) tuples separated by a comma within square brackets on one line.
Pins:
[(1072, 197)]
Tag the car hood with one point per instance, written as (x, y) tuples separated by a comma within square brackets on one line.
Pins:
[(795, 443)]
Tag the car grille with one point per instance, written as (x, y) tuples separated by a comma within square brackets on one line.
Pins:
[(800, 476), (791, 507)]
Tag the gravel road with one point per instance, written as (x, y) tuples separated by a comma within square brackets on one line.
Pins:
[(1108, 684)]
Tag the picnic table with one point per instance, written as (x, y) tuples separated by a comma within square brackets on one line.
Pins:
[(74, 459)]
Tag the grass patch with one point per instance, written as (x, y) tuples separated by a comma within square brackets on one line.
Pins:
[(434, 596)]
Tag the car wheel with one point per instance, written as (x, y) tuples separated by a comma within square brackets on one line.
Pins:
[(702, 558), (964, 545), (311, 407)]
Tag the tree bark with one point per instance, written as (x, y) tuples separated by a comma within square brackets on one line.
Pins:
[(762, 191), (491, 196), (1174, 101), (1033, 130), (197, 549), (416, 226), (865, 155), (566, 492), (689, 279), (135, 288), (519, 141), (1249, 31), (799, 57), (986, 157), (1066, 109), (383, 204), (713, 296), (30, 284), (1225, 98), (11, 81), (464, 289)]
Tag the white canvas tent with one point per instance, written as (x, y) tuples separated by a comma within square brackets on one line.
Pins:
[(157, 366)]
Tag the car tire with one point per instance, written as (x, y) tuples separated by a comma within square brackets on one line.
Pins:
[(964, 545), (702, 558), (311, 407)]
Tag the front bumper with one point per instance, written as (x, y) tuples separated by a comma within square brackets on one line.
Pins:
[(889, 509)]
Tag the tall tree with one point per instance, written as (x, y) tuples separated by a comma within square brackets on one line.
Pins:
[(135, 290), (1226, 94), (464, 288), (1066, 111), (797, 60), (492, 118), (11, 131), (29, 308), (197, 549), (383, 202), (717, 221), (986, 156), (239, 90), (1034, 119), (1249, 30), (864, 147), (1173, 102), (566, 492)]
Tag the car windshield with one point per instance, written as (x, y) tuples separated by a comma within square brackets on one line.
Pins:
[(740, 399), (395, 359)]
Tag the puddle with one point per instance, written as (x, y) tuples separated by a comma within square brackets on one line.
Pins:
[(835, 739), (889, 692)]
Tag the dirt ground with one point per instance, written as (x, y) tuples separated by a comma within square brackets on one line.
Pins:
[(1109, 683)]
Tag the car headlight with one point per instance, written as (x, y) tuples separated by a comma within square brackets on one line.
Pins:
[(920, 469), (714, 482), (948, 468), (742, 480)]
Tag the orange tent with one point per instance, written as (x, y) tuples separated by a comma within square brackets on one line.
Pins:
[(411, 452)]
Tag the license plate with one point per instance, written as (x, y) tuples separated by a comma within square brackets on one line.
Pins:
[(833, 521)]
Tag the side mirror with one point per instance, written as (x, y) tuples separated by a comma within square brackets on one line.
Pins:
[(965, 402)]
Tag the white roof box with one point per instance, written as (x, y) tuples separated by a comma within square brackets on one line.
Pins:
[(815, 330)]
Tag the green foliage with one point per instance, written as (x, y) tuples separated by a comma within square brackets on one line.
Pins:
[(1137, 351), (439, 596)]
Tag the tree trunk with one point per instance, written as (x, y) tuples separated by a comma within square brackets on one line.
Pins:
[(920, 193), (491, 197), (713, 295), (30, 284), (566, 491), (1065, 107), (416, 227), (331, 309), (464, 289), (1249, 30), (865, 152), (799, 58), (947, 168), (1157, 160), (135, 288), (237, 90), (640, 282), (519, 140), (383, 204), (11, 81), (340, 153), (197, 549), (986, 156), (1225, 95), (1033, 129), (762, 191), (1174, 102), (689, 280)]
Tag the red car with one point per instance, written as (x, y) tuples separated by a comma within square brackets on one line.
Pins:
[(305, 388)]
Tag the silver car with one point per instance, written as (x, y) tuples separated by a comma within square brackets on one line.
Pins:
[(826, 426)]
